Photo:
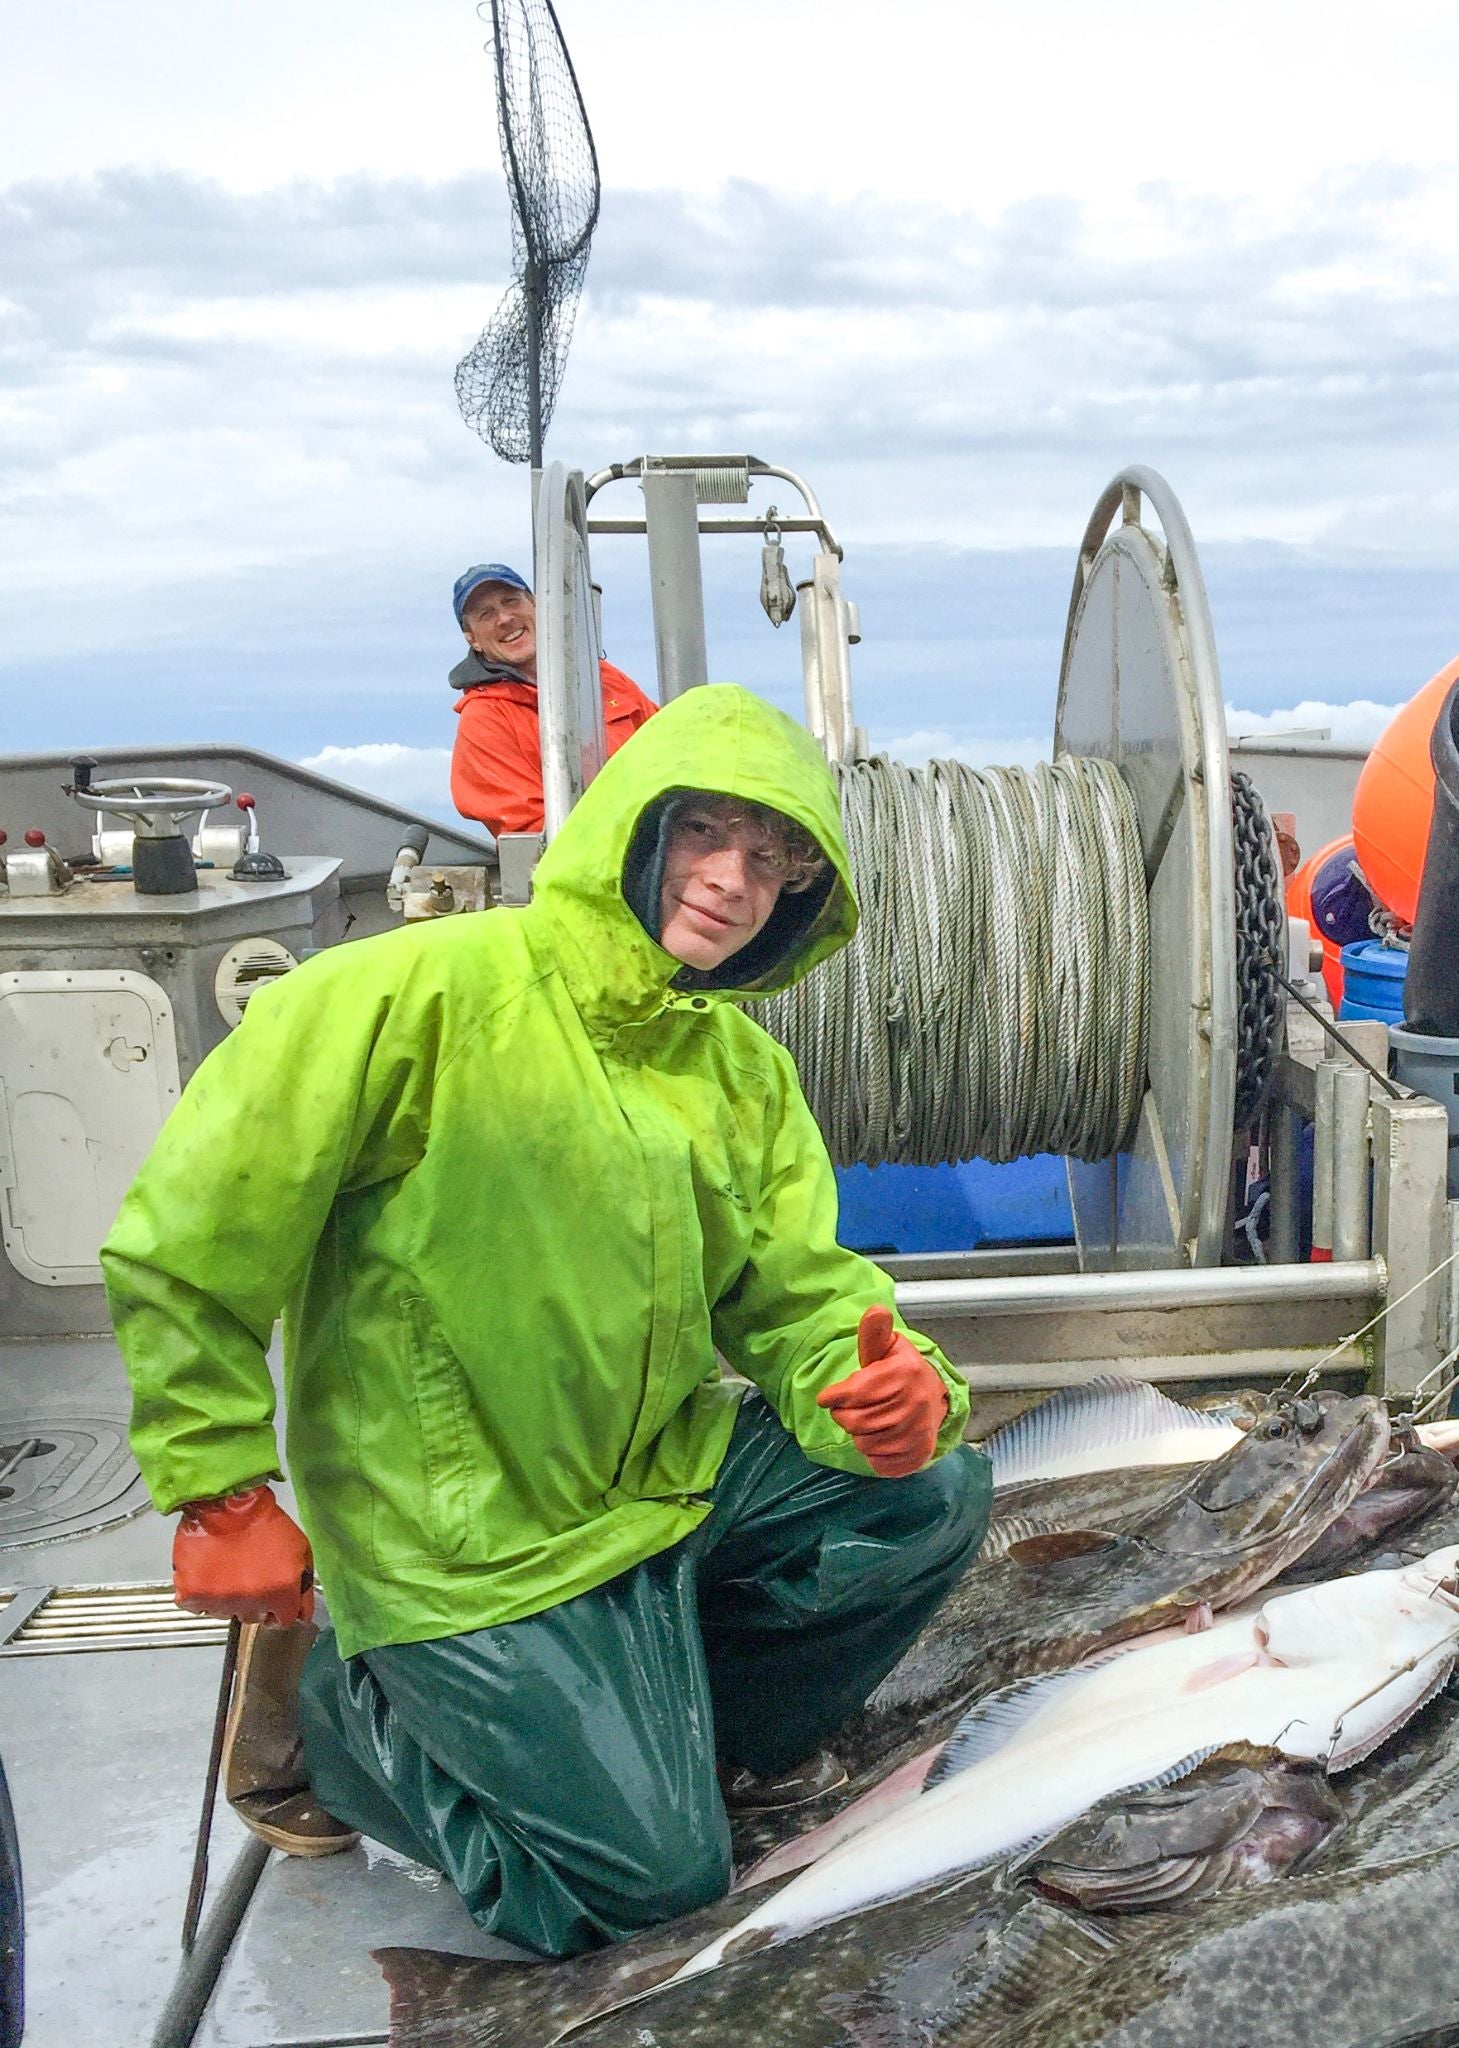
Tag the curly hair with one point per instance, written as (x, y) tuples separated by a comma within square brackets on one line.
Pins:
[(800, 851)]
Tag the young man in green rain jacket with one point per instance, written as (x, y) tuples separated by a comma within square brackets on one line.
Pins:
[(513, 1180)]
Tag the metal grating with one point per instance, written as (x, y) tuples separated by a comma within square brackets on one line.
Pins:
[(50, 1621)]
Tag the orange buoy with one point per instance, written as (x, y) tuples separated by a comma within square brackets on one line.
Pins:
[(1394, 800)]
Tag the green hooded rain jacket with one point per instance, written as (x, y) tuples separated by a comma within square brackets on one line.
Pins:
[(511, 1188)]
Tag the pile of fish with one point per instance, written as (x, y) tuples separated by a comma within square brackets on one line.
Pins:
[(1181, 1730)]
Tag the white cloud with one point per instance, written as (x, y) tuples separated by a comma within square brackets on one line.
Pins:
[(918, 748), (1357, 724), (419, 778), (202, 378), (1248, 97)]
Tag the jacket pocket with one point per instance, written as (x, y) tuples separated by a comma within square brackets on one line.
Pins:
[(431, 1509)]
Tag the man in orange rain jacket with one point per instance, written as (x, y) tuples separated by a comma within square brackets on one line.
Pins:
[(496, 765)]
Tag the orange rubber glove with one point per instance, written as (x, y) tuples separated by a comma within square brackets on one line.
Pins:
[(893, 1406), (243, 1557)]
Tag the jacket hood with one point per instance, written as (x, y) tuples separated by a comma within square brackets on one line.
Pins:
[(721, 739), (472, 670)]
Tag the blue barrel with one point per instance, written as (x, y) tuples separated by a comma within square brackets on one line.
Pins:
[(1372, 981), (954, 1208)]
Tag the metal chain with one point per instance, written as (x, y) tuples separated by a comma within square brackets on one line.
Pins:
[(1261, 950)]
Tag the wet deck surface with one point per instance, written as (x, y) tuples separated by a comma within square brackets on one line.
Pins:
[(105, 1756), (301, 1971), (106, 1752)]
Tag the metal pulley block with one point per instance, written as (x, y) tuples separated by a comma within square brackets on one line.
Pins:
[(777, 592)]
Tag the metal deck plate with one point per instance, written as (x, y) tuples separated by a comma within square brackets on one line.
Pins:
[(301, 1971), (1140, 687), (105, 1757), (79, 1476)]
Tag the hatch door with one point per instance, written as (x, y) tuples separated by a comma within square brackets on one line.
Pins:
[(88, 1072)]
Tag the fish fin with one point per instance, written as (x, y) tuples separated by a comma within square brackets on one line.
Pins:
[(1004, 1532), (1056, 1546), (904, 1783), (1173, 1773), (432, 1994), (1223, 1669), (1344, 1755), (995, 1981), (995, 1720), (436, 1997), (1106, 1410), (989, 1979)]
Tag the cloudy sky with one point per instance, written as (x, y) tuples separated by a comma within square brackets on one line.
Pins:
[(956, 264)]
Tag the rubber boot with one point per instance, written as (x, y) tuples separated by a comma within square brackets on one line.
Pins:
[(263, 1774)]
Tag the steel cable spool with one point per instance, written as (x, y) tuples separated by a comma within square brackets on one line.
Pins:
[(994, 1002)]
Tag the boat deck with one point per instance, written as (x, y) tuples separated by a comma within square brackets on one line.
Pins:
[(106, 1751)]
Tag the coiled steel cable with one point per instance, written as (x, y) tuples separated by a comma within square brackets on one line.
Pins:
[(994, 1002)]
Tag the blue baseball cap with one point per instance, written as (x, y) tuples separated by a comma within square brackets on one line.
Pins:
[(484, 572)]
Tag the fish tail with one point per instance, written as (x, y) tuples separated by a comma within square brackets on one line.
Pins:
[(448, 2001), (435, 1998)]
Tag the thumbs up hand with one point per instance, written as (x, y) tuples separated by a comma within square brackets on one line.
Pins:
[(893, 1405)]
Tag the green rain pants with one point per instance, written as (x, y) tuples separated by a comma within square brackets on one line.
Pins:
[(560, 1770)]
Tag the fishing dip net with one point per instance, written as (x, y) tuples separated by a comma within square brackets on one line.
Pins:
[(507, 385)]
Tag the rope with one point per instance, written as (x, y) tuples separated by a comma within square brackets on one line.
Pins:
[(994, 1002), (1310, 1378)]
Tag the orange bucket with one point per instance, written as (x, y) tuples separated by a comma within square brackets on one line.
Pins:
[(1394, 800)]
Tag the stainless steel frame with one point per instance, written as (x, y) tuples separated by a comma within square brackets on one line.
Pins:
[(1012, 1339), (676, 580), (718, 480), (674, 488), (1368, 1147), (569, 696), (827, 631)]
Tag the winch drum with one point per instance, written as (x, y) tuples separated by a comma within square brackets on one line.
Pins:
[(1140, 686)]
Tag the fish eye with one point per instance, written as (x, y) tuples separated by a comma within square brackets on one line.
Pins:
[(1273, 1426)]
